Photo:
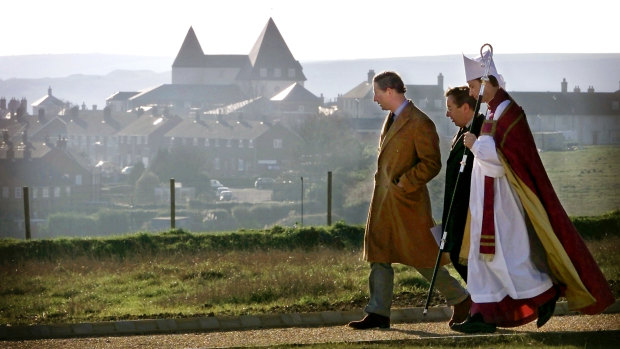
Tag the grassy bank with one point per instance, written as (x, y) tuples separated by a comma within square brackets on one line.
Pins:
[(180, 274)]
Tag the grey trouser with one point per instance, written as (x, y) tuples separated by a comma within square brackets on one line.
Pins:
[(381, 282)]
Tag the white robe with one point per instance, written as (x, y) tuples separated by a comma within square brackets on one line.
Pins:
[(511, 272)]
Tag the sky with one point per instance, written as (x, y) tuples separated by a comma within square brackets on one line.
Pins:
[(315, 30)]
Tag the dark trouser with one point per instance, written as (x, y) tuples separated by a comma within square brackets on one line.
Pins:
[(454, 257), (381, 282)]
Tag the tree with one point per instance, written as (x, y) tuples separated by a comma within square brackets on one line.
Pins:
[(145, 188), (188, 165)]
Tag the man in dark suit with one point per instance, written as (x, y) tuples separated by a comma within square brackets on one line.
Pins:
[(461, 108)]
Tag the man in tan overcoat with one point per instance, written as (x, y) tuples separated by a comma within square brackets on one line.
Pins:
[(400, 218)]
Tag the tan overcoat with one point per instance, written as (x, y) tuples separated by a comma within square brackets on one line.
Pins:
[(399, 219)]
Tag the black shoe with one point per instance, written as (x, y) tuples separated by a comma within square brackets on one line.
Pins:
[(545, 311), (371, 321), (474, 324)]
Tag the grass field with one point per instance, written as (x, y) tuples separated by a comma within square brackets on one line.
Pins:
[(76, 289), (587, 180)]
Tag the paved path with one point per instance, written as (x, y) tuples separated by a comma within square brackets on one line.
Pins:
[(409, 330)]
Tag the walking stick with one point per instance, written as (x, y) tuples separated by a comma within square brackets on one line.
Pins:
[(485, 78)]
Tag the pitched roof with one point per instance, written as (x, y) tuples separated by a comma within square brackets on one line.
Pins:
[(148, 123), (430, 92), (568, 103), (48, 100), (361, 91), (190, 54), (180, 93), (121, 96), (295, 93), (271, 51), (221, 128), (95, 123)]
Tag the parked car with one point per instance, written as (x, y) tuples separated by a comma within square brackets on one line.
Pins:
[(264, 183), (219, 190), (225, 195)]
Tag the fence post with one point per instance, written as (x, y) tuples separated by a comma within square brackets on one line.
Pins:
[(172, 208), (302, 201), (26, 211), (329, 198)]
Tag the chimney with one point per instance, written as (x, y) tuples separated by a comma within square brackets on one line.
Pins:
[(590, 89), (371, 75), (83, 106), (576, 89), (94, 107), (49, 91), (2, 103), (440, 81), (564, 85)]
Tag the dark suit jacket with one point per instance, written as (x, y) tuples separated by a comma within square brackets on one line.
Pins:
[(455, 225)]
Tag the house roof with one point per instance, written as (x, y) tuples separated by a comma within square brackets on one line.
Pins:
[(48, 100), (221, 128), (148, 123), (568, 103), (295, 93), (190, 54), (361, 91), (121, 96), (180, 93), (96, 123), (42, 168)]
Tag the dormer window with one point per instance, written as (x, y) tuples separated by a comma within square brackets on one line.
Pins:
[(291, 73), (277, 72), (263, 72)]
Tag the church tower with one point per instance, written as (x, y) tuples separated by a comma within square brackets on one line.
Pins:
[(273, 66), (189, 63)]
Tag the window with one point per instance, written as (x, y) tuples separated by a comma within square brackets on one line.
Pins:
[(240, 165), (277, 143), (217, 142), (56, 192), (216, 163), (78, 179), (250, 143), (207, 142), (5, 192), (68, 191), (291, 72), (195, 142), (18, 192), (263, 72), (241, 143), (228, 143), (45, 192), (34, 192), (277, 72)]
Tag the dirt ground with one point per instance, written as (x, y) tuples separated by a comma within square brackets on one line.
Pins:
[(297, 336)]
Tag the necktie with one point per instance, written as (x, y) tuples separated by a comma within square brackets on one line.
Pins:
[(390, 121)]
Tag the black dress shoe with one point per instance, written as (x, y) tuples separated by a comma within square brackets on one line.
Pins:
[(474, 324), (545, 311), (371, 321)]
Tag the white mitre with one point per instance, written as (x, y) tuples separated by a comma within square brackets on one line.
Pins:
[(474, 68)]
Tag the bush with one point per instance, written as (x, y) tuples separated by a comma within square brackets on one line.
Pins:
[(112, 222), (598, 227), (71, 224)]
